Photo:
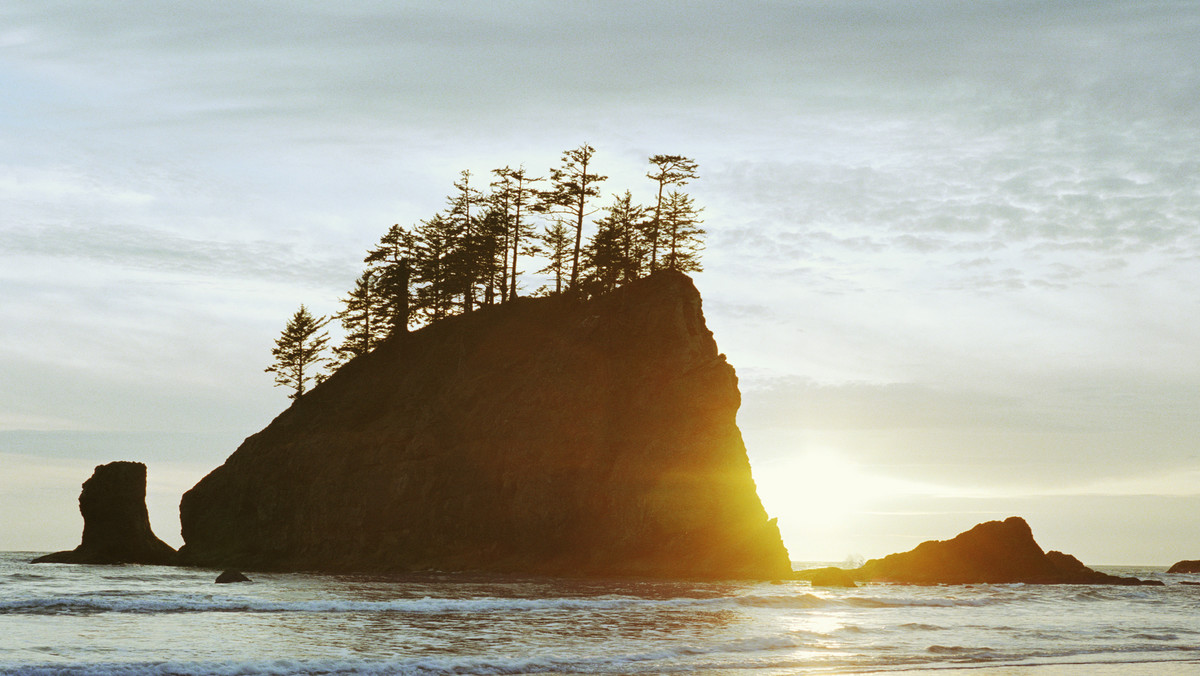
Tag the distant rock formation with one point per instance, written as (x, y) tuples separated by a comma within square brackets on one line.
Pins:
[(545, 436), (1185, 567), (116, 525), (831, 576), (995, 552), (231, 576)]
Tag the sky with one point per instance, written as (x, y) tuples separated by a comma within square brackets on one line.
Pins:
[(953, 245)]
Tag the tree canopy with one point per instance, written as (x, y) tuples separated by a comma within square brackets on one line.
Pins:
[(471, 254)]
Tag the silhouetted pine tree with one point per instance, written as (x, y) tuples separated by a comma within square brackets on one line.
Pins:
[(466, 260), (364, 318), (500, 215), (492, 252), (390, 263), (570, 188), (298, 352), (616, 253), (667, 170), (513, 192), (437, 280), (556, 239), (683, 239)]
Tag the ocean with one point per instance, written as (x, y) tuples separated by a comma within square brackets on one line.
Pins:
[(72, 619)]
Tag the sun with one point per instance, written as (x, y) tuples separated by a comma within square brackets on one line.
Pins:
[(821, 483), (822, 498)]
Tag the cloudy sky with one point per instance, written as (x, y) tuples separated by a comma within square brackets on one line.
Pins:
[(953, 252)]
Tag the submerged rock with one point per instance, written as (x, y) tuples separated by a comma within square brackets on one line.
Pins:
[(1185, 567), (116, 524), (995, 552), (544, 436)]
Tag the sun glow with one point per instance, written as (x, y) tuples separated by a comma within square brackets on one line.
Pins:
[(821, 496)]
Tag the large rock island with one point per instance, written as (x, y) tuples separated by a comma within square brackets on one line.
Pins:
[(543, 436)]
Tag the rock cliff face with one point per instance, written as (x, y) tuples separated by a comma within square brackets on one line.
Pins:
[(543, 436), (116, 525), (995, 552)]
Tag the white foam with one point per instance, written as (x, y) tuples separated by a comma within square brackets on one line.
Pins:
[(179, 603), (420, 666)]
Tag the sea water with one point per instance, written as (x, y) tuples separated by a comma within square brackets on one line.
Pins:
[(73, 619)]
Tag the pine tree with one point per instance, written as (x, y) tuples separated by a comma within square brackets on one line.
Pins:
[(682, 236), (571, 187), (618, 250), (513, 193), (492, 251), (298, 352), (556, 237), (390, 262), (363, 318), (436, 279), (466, 259), (668, 170)]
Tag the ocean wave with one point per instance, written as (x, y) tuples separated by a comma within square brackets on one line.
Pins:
[(919, 626), (205, 603), (285, 667), (966, 653), (182, 603), (658, 661), (23, 577), (803, 601), (121, 602)]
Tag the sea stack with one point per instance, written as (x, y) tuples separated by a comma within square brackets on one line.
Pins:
[(543, 436), (116, 524)]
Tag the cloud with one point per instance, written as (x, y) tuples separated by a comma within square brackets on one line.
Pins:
[(136, 248)]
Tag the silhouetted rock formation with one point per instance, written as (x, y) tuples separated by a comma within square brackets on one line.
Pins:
[(116, 525), (996, 552), (831, 576), (230, 576), (1185, 567), (543, 436)]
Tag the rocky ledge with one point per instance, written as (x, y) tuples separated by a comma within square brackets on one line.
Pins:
[(544, 436), (116, 524), (995, 552)]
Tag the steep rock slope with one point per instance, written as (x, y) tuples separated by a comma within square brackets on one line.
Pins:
[(543, 436)]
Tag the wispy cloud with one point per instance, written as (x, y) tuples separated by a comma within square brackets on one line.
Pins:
[(138, 248)]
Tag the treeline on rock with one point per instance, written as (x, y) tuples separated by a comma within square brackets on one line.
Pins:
[(472, 253)]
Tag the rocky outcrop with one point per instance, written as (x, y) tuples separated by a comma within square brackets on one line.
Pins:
[(543, 436), (231, 577), (995, 552), (830, 576), (1073, 571), (116, 525), (1185, 567)]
